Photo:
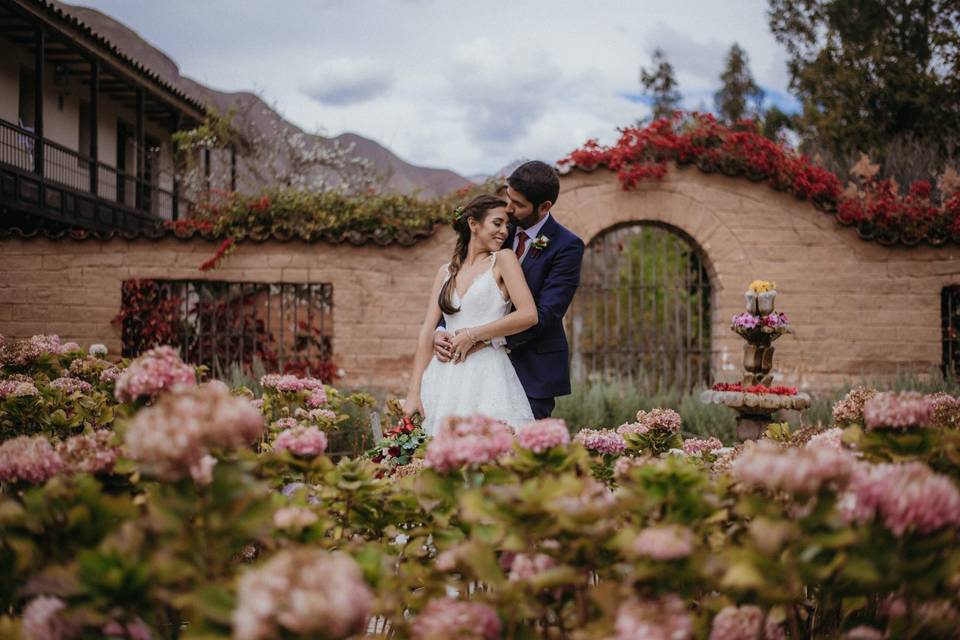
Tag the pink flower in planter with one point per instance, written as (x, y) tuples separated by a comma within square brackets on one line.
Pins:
[(528, 566), (545, 434), (317, 397), (604, 441), (470, 441), (304, 442), (157, 370), (448, 618), (28, 459)]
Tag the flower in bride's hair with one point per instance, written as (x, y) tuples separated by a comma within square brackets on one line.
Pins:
[(458, 213), (544, 434), (468, 441)]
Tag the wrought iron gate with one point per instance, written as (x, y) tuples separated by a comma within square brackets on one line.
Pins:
[(642, 309)]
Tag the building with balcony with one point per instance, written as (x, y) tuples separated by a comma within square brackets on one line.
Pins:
[(85, 130)]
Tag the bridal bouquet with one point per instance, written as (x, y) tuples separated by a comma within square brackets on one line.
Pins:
[(400, 442)]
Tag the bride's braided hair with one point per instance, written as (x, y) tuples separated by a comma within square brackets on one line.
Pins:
[(476, 209)]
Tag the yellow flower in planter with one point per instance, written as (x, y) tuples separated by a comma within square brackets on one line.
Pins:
[(761, 286)]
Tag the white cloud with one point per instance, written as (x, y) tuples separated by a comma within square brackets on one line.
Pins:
[(467, 86), (346, 81)]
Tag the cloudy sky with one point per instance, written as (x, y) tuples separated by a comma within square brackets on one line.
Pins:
[(465, 85)]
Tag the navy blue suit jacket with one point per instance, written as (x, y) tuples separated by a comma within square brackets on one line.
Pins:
[(540, 354)]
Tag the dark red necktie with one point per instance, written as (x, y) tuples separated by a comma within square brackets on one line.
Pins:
[(521, 243)]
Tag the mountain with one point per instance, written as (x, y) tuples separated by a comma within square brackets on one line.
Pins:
[(401, 176)]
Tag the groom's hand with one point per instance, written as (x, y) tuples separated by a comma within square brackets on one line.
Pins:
[(442, 346)]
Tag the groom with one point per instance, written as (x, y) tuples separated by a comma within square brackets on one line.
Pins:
[(550, 256)]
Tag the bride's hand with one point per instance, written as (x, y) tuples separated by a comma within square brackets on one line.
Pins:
[(462, 343), (412, 404)]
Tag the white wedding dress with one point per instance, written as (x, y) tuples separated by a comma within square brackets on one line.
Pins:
[(486, 381)]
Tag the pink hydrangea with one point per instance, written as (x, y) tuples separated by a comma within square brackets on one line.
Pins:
[(525, 566), (625, 464), (591, 501), (664, 542), (863, 632), (849, 410), (184, 425), (905, 497), (832, 438), (304, 442), (46, 343), (303, 592), (28, 459), (665, 618), (447, 618), (111, 374), (16, 388), (294, 518), (748, 622), (903, 410), (604, 441), (699, 446), (43, 620), (284, 423), (288, 383), (632, 427), (666, 420), (69, 347), (795, 470), (88, 453), (945, 410), (69, 386), (469, 441), (134, 630), (325, 416), (157, 370), (545, 434), (317, 397)]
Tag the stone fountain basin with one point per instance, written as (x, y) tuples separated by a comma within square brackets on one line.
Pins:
[(756, 402)]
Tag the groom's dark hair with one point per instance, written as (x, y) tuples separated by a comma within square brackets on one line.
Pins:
[(537, 181)]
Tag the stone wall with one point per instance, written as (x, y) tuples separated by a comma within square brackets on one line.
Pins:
[(859, 309)]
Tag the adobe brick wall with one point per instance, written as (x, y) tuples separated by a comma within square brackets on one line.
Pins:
[(859, 309), (72, 288)]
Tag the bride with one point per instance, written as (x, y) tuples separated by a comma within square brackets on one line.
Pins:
[(474, 293)]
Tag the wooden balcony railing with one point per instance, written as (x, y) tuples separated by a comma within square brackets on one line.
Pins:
[(58, 165)]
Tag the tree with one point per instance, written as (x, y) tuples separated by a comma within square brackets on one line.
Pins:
[(873, 74), (660, 86), (739, 96)]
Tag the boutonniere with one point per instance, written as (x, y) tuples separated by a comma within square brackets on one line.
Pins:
[(540, 243)]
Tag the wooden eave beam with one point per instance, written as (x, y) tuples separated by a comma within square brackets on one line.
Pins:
[(108, 62)]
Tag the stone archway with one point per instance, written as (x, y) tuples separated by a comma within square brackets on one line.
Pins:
[(643, 308)]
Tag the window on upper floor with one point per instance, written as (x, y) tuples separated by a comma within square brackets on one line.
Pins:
[(27, 101)]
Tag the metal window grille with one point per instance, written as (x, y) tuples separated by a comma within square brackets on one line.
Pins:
[(286, 327), (950, 325), (642, 310)]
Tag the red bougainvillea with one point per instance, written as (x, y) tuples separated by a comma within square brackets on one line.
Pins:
[(877, 209)]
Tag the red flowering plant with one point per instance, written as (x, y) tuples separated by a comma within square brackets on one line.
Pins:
[(400, 442), (754, 388), (874, 205)]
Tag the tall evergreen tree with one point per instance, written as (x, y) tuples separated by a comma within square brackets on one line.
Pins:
[(739, 96), (874, 74), (660, 86)]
